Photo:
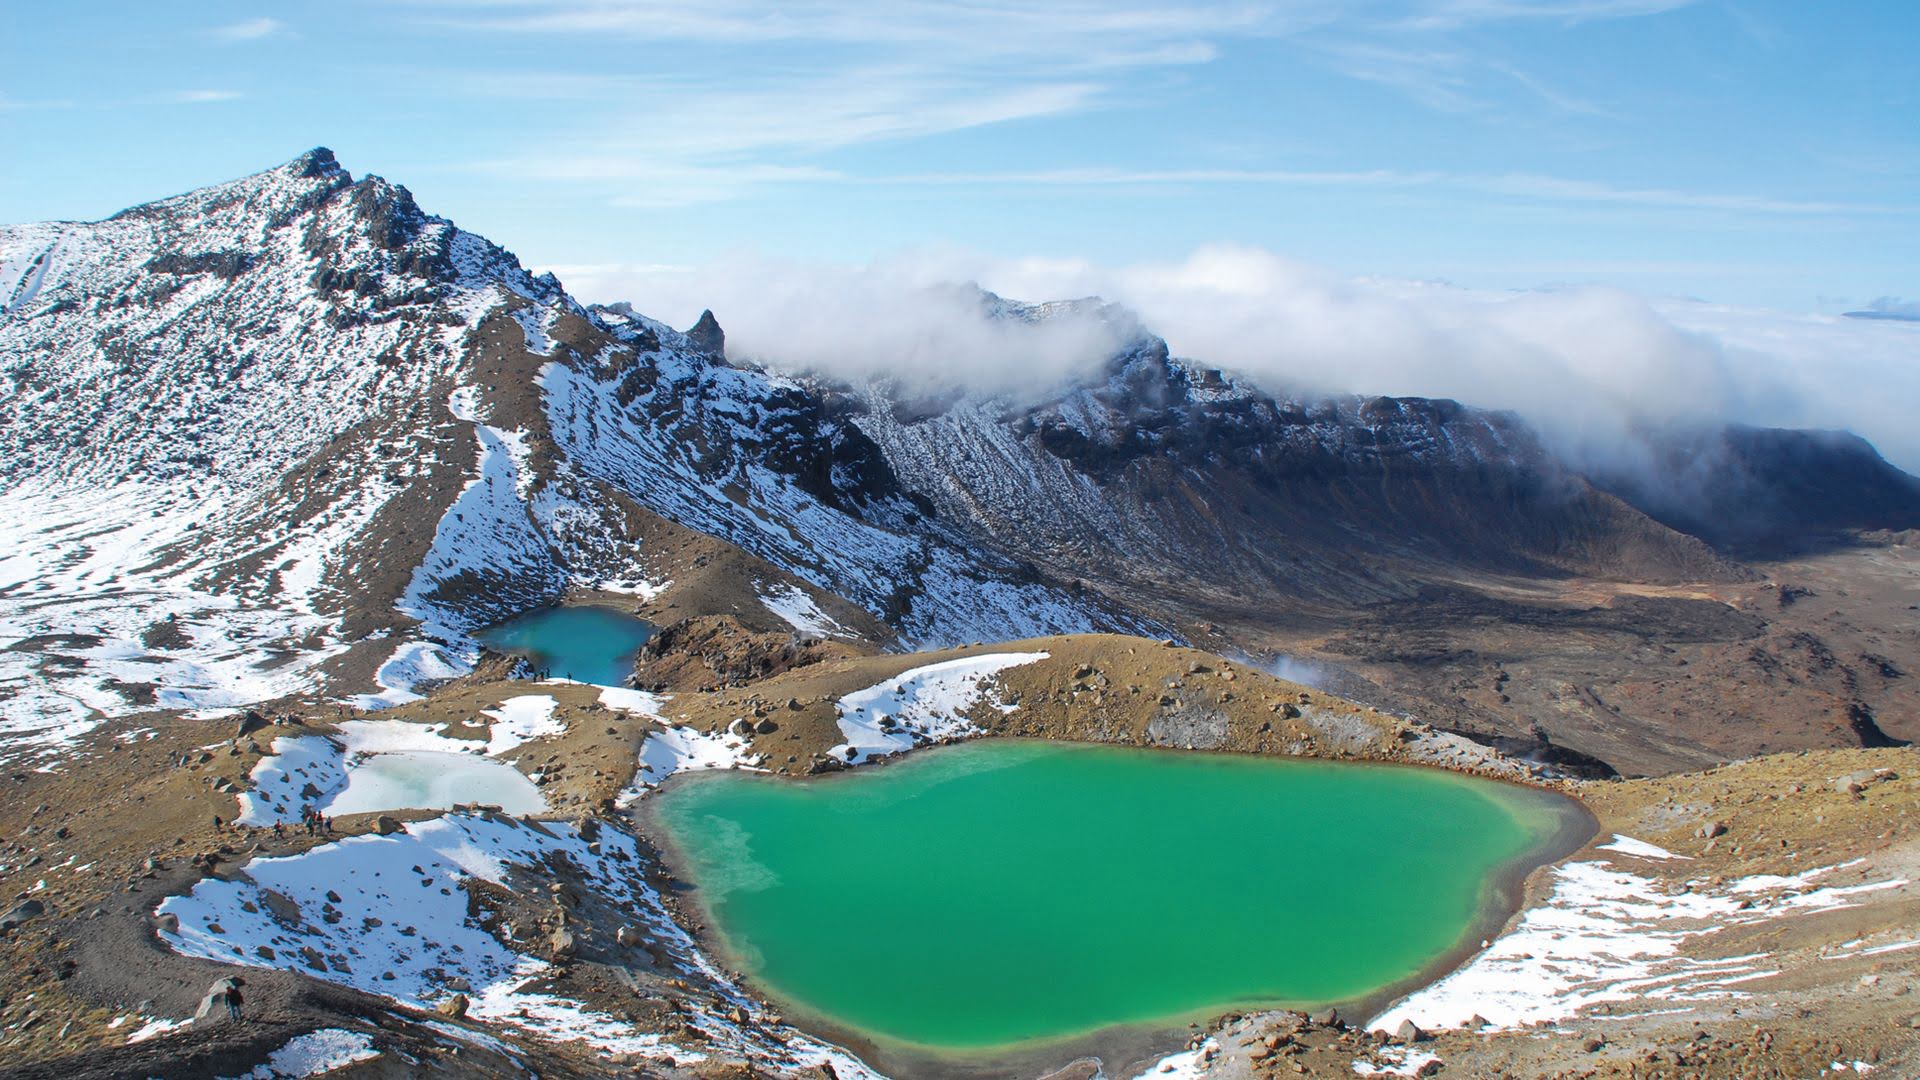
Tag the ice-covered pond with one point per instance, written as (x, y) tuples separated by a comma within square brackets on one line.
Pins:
[(431, 780)]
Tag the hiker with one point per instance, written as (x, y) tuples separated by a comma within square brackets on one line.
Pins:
[(233, 999), (279, 831)]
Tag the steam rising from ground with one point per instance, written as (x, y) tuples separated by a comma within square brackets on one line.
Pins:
[(1588, 365)]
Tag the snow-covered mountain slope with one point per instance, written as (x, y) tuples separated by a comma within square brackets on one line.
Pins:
[(261, 437)]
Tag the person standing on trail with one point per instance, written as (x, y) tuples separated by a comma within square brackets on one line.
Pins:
[(233, 998)]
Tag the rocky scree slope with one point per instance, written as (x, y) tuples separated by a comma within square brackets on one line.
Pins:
[(1122, 478)]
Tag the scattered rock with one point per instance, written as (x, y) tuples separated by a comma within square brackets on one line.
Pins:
[(454, 1007), (629, 936)]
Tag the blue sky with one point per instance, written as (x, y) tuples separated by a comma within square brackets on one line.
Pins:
[(1747, 152)]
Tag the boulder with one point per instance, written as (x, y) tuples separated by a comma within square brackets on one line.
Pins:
[(765, 727), (21, 913), (250, 722), (454, 1007), (560, 943), (629, 937), (1327, 1018), (1408, 1033), (213, 1003), (386, 825)]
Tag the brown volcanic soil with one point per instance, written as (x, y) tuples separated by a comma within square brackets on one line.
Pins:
[(1651, 679), (92, 957)]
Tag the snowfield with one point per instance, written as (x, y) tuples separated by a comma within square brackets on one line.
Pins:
[(1608, 934), (389, 915)]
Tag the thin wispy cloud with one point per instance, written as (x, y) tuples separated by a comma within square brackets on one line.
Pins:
[(196, 97), (1534, 188), (873, 73), (1001, 28), (1455, 14), (250, 29), (12, 104)]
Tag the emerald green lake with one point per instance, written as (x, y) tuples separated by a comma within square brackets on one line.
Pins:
[(986, 896), (586, 644)]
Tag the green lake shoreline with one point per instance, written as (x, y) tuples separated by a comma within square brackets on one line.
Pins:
[(1562, 823)]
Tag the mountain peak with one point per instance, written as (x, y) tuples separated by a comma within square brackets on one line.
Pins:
[(706, 335), (314, 164)]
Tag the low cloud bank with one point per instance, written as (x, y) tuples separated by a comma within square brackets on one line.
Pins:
[(1589, 366)]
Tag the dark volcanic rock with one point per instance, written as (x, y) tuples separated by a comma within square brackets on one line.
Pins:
[(1770, 491)]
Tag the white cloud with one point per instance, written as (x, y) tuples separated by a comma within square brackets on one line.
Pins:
[(1588, 365), (249, 29)]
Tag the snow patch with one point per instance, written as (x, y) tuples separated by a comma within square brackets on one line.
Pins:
[(792, 604), (684, 749), (315, 1053), (1397, 1061), (925, 704), (521, 719), (1627, 845), (1187, 1065), (630, 700), (413, 663)]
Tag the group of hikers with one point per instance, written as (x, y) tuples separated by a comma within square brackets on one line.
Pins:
[(311, 819), (315, 822)]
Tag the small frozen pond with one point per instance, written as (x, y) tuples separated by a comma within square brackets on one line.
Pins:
[(375, 765), (586, 644), (434, 780)]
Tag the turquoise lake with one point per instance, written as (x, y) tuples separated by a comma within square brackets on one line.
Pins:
[(585, 644), (1005, 893)]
